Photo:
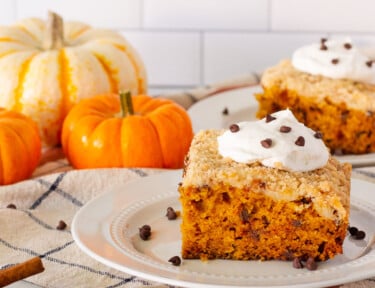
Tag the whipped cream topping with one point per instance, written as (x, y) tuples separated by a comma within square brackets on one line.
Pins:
[(277, 141), (335, 59)]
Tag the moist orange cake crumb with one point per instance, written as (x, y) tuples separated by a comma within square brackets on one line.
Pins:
[(233, 210)]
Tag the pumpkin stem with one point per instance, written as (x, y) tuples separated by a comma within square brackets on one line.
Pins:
[(126, 103), (54, 32)]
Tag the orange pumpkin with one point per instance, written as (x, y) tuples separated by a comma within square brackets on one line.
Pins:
[(20, 147), (112, 131)]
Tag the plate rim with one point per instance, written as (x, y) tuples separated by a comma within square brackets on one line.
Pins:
[(170, 278)]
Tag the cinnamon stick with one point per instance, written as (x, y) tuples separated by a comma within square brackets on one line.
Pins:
[(20, 271)]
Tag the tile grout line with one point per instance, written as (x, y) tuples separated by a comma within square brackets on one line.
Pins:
[(201, 56)]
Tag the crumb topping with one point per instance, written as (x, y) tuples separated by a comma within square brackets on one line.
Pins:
[(356, 95)]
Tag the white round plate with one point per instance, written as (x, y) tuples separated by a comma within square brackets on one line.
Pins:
[(242, 106), (107, 229)]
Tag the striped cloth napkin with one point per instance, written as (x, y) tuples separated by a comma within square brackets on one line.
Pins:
[(56, 192)]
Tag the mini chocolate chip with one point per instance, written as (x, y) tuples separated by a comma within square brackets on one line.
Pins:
[(175, 260), (226, 197), (265, 220), (323, 47), (311, 264), (234, 128), (369, 63), (145, 232), (306, 200), (11, 206), (244, 215), (296, 223), (198, 204), (254, 235), (146, 227), (225, 111), (300, 141), (335, 61), (297, 263), (321, 247), (285, 129), (323, 40), (266, 143), (348, 46), (61, 225), (288, 255), (269, 118), (171, 214), (353, 230), (360, 235), (318, 135)]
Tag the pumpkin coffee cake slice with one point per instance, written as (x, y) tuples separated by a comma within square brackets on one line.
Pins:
[(267, 189), (330, 87)]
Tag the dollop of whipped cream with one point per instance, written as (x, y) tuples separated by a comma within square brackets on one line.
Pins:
[(277, 141), (335, 59)]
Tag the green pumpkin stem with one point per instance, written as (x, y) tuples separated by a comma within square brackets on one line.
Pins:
[(126, 103)]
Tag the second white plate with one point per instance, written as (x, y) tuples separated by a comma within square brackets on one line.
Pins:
[(241, 105)]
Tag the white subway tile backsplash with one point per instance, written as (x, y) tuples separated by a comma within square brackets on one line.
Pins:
[(98, 13), (171, 58), (206, 14), (323, 15), (185, 43), (7, 12), (229, 54)]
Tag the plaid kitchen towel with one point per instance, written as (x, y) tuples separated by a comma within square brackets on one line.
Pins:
[(31, 229), (56, 192)]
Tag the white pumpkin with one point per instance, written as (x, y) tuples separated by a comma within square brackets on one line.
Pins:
[(47, 67)]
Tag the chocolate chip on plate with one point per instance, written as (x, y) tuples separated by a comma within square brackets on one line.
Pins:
[(353, 230), (175, 260), (171, 214), (145, 232), (360, 235), (311, 264), (297, 263), (356, 233)]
